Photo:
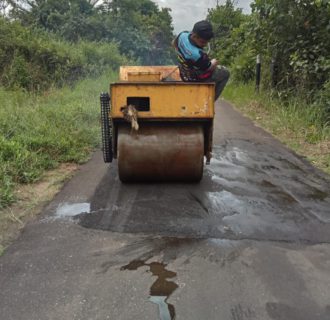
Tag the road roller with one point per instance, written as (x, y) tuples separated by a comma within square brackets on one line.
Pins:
[(157, 127)]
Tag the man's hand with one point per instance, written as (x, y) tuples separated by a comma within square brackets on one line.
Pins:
[(214, 63)]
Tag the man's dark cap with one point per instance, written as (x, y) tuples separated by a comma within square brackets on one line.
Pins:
[(203, 29)]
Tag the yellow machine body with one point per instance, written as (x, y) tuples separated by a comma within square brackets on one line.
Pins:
[(164, 99), (175, 125), (147, 73)]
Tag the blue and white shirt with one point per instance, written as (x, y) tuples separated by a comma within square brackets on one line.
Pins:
[(194, 63)]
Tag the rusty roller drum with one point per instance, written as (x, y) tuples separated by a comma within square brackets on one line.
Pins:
[(172, 152)]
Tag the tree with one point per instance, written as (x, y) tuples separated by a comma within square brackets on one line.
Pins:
[(142, 30), (225, 19), (70, 19), (4, 5), (296, 35)]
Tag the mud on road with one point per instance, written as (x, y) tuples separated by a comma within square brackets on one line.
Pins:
[(251, 241)]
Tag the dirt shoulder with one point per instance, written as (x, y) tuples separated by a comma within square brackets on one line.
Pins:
[(31, 199)]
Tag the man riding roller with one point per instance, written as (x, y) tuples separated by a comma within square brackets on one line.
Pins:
[(194, 63)]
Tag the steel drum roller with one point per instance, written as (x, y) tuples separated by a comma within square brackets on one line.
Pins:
[(161, 152)]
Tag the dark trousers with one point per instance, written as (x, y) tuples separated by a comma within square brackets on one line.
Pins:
[(220, 76)]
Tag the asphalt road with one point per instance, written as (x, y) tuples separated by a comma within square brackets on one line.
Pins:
[(250, 242)]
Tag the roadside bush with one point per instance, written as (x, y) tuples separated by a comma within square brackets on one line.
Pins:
[(322, 101), (38, 132), (243, 66), (17, 74), (35, 60), (296, 35), (6, 188), (98, 56)]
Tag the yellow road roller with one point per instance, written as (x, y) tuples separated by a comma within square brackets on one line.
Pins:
[(158, 127)]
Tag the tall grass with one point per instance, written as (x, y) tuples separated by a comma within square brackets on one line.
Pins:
[(37, 132), (292, 113)]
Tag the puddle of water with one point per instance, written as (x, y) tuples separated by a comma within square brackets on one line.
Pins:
[(161, 289), (72, 209), (240, 155), (225, 202), (163, 307)]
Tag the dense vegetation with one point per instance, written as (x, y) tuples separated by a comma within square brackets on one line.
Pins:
[(49, 44), (142, 31), (46, 43), (39, 132), (292, 37), (34, 60)]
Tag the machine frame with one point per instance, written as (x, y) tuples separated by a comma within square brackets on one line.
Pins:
[(160, 99)]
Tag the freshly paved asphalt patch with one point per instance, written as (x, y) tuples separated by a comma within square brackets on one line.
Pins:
[(251, 241)]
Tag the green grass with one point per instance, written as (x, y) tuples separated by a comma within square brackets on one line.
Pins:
[(240, 94), (300, 125), (38, 132)]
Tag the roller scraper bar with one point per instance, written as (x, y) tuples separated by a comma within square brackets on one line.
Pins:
[(106, 127)]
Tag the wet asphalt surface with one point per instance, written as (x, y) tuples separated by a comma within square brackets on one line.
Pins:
[(251, 241)]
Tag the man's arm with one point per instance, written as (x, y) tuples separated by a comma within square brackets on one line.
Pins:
[(205, 64)]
